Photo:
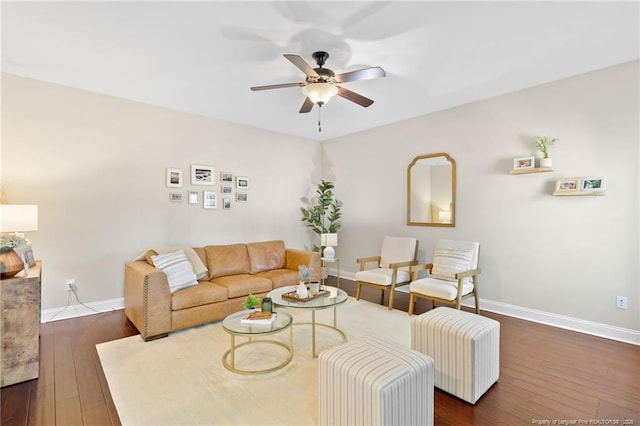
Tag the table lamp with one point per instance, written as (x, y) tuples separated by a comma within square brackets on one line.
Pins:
[(15, 218), (328, 241)]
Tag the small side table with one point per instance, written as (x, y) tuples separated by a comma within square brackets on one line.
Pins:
[(324, 265)]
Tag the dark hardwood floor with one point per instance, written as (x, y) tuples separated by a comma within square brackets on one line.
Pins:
[(546, 373)]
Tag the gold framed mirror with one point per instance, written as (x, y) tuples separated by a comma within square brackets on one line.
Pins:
[(431, 190)]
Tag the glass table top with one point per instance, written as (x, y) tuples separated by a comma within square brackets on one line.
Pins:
[(335, 297), (233, 324)]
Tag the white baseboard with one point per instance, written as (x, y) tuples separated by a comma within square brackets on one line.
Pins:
[(79, 310), (625, 335), (556, 320)]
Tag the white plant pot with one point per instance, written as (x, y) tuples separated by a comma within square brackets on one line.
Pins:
[(302, 291), (546, 162)]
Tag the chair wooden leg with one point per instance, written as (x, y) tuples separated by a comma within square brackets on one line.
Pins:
[(411, 302), (391, 292), (475, 296), (382, 297), (358, 290)]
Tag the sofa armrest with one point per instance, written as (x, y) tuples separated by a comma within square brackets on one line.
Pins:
[(295, 258), (147, 299)]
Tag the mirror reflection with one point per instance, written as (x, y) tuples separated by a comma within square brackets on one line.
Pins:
[(431, 189)]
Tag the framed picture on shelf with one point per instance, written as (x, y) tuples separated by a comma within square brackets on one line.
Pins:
[(226, 177), (174, 178), (194, 197), (226, 203), (210, 200), (202, 175), (592, 184), (226, 189), (176, 197), (568, 184), (241, 196), (524, 163), (242, 182)]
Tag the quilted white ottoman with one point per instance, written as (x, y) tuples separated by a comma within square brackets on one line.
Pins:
[(370, 381), (465, 349)]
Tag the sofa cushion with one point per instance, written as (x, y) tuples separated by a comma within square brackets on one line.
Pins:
[(226, 260), (202, 294), (177, 268), (243, 284), (266, 255), (281, 277)]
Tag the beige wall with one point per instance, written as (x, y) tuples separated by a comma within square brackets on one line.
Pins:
[(95, 165), (568, 256)]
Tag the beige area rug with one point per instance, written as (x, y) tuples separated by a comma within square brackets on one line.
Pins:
[(180, 380)]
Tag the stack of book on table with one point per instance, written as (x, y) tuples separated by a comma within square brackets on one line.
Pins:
[(258, 318)]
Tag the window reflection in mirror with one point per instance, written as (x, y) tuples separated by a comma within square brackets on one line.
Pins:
[(431, 190)]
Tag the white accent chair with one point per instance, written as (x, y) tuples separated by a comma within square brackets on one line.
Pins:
[(453, 275), (397, 252)]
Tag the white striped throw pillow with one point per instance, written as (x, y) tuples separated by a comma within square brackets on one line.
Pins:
[(177, 268), (447, 262)]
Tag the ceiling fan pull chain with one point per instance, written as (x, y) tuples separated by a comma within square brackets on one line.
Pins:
[(319, 118)]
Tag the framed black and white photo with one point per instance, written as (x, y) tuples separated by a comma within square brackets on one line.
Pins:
[(242, 182), (592, 184), (194, 197), (226, 177), (524, 163), (202, 175), (226, 203), (175, 178), (241, 196), (226, 189), (176, 197), (210, 200)]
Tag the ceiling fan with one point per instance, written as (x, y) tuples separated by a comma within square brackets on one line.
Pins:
[(322, 83)]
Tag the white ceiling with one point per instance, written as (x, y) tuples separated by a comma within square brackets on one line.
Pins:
[(202, 57)]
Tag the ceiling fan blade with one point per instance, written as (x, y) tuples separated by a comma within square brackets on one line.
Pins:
[(277, 86), (306, 106), (302, 64), (354, 97), (363, 74)]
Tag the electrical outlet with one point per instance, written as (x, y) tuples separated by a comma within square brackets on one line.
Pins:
[(621, 302), (71, 284)]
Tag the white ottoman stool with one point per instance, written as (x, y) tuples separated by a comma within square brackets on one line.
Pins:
[(465, 349), (369, 381)]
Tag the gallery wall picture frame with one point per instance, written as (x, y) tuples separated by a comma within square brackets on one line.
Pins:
[(241, 197), (524, 163), (226, 177), (226, 203), (174, 178), (176, 197), (592, 184), (210, 200), (571, 184), (194, 197), (226, 189), (203, 175), (242, 182)]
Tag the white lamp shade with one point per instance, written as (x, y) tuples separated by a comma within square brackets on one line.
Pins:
[(18, 217), (320, 93), (329, 240)]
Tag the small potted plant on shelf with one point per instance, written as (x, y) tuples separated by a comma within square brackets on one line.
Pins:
[(543, 143)]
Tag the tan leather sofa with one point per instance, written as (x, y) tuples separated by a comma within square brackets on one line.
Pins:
[(234, 271)]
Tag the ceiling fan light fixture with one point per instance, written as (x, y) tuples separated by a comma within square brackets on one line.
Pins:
[(320, 93)]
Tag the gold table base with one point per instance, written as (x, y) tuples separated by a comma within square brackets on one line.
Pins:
[(229, 357)]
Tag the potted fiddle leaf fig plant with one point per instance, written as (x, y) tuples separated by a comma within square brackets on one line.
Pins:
[(324, 216), (543, 143)]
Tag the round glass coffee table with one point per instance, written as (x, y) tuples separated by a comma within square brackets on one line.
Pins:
[(234, 325), (332, 299)]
